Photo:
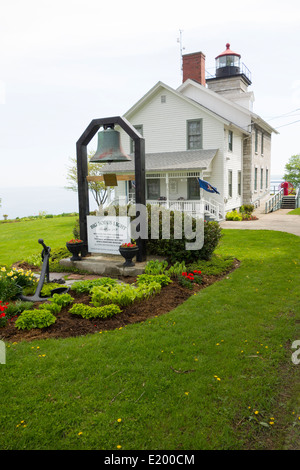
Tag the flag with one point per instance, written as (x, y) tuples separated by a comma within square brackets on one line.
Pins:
[(208, 187)]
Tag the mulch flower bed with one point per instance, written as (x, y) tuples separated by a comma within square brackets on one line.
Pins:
[(68, 325)]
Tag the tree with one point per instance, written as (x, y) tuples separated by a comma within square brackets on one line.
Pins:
[(98, 189), (292, 171)]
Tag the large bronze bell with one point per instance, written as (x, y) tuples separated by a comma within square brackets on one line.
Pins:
[(109, 148)]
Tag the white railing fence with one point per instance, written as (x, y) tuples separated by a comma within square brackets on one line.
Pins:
[(274, 203)]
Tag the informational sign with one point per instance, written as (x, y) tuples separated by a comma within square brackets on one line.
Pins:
[(106, 234)]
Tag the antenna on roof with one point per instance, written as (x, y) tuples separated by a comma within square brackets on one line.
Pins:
[(182, 48)]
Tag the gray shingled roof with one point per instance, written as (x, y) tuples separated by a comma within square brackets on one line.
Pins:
[(185, 160)]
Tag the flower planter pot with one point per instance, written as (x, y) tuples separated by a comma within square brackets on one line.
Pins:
[(128, 254), (75, 249)]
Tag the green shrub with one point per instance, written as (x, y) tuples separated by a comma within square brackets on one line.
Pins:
[(48, 287), (156, 267), (247, 208), (176, 269), (83, 287), (86, 311), (123, 294), (9, 290), (55, 256), (161, 279), (34, 319), (144, 291), (234, 215), (174, 249), (34, 260), (61, 299), (51, 307), (18, 307)]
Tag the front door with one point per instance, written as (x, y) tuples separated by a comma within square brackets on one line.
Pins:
[(193, 188)]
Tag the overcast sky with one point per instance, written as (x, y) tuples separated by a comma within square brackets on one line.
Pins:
[(64, 63)]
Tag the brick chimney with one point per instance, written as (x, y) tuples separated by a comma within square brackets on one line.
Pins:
[(193, 66)]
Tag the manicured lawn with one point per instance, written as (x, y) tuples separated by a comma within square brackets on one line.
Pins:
[(211, 374), (295, 211), (19, 240)]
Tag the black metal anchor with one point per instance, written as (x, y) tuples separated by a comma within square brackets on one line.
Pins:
[(44, 273)]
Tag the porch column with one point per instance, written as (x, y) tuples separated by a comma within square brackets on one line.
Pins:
[(167, 189), (202, 203)]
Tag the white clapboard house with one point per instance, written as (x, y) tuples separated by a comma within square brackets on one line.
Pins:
[(204, 129)]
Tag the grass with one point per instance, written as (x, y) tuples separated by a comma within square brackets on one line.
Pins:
[(295, 211), (211, 374), (18, 240)]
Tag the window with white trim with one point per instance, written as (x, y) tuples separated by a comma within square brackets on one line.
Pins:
[(194, 134), (229, 183)]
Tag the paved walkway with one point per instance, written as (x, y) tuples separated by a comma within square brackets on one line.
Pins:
[(278, 220)]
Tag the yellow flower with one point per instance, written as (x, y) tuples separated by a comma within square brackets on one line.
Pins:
[(119, 447), (186, 393), (3, 269), (256, 412), (79, 434), (119, 420)]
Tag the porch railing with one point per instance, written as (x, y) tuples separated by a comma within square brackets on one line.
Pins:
[(297, 198), (274, 203), (194, 208)]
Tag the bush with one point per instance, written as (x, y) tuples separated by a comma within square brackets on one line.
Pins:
[(161, 279), (35, 319), (234, 215), (51, 307), (156, 267), (247, 208), (176, 269), (84, 287), (48, 287), (86, 311), (61, 299), (18, 307), (174, 248), (123, 294), (9, 290), (55, 256)]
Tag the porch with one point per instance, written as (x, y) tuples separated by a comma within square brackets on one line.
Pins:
[(172, 182), (178, 191)]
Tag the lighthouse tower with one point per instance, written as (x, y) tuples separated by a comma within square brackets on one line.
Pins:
[(232, 78)]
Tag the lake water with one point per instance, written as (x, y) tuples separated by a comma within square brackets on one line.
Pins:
[(26, 201)]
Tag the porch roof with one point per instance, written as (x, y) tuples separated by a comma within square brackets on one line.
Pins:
[(167, 161)]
